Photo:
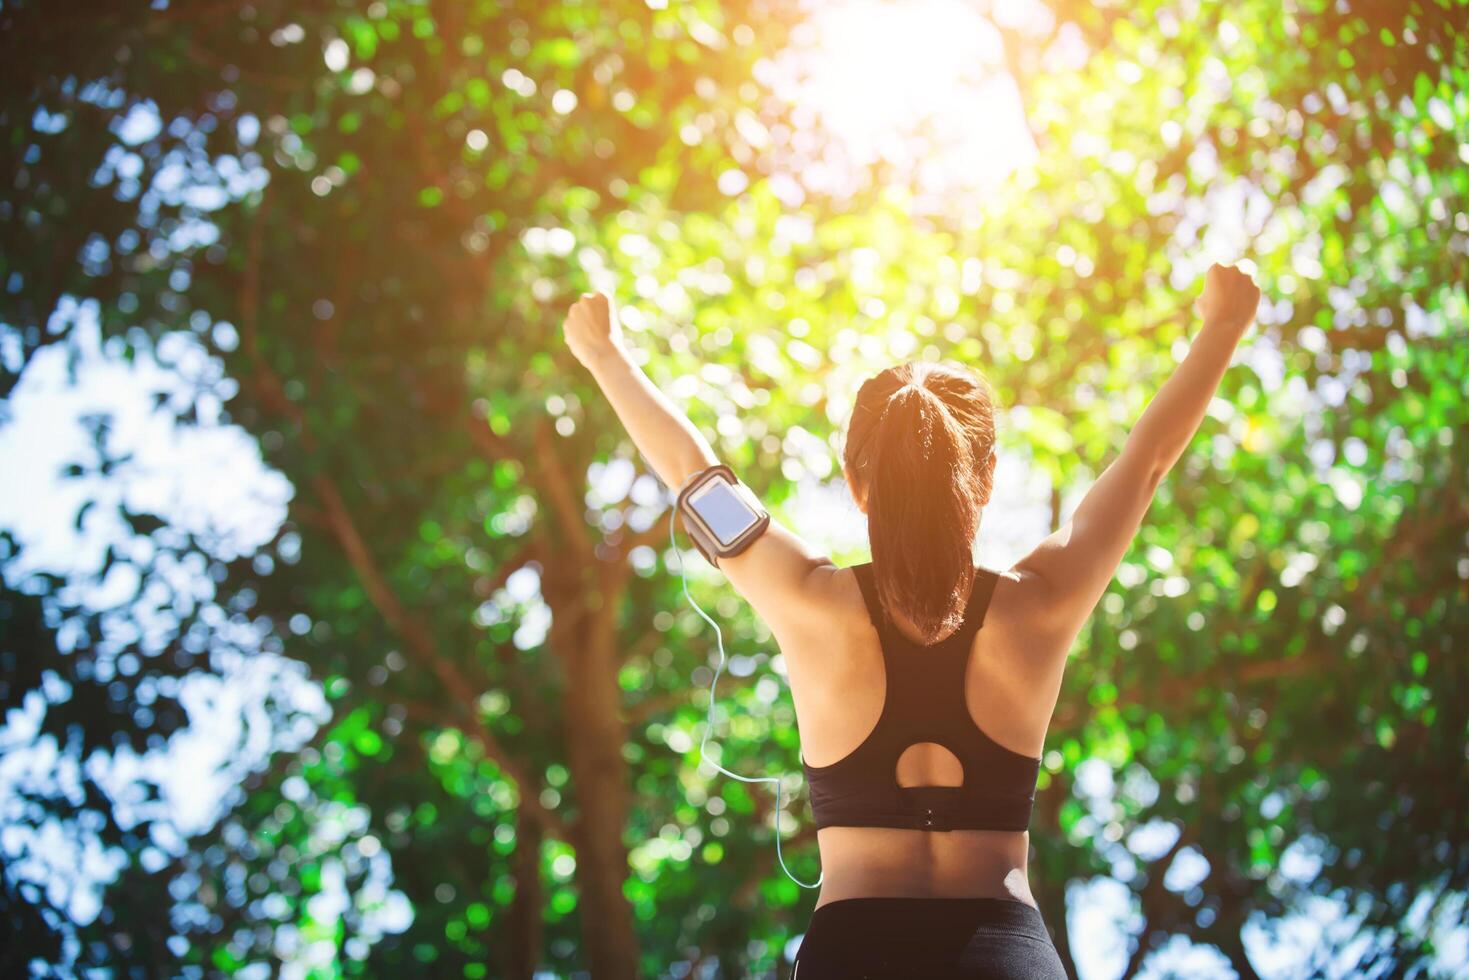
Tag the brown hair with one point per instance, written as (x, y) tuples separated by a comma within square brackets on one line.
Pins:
[(919, 451)]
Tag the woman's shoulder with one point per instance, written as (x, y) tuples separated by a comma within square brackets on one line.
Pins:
[(1021, 616), (832, 594)]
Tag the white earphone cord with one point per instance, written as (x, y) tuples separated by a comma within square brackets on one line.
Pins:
[(709, 719)]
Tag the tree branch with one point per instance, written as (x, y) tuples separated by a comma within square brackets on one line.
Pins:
[(338, 519), (656, 704), (487, 585), (1153, 896), (555, 481)]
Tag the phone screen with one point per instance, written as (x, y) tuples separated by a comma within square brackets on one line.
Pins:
[(722, 509)]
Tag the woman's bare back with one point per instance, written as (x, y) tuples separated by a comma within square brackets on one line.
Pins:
[(1010, 692)]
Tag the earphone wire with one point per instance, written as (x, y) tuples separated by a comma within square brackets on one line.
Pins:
[(709, 718)]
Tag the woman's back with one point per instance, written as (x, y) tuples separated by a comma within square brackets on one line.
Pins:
[(1010, 689)]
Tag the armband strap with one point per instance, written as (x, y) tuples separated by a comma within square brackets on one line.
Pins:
[(703, 536)]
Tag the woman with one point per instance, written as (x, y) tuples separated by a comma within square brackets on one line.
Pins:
[(921, 731)]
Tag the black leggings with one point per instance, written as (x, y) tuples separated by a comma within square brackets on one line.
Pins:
[(937, 938)]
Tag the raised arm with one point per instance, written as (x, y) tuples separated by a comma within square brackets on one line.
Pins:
[(1070, 570), (775, 574), (663, 434)]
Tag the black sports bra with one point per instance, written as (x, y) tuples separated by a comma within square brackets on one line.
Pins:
[(925, 702)]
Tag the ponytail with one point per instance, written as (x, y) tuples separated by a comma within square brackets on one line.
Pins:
[(923, 503)]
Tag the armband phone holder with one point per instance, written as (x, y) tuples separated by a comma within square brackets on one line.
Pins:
[(720, 513)]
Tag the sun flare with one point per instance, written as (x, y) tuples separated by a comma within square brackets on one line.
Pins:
[(918, 86)]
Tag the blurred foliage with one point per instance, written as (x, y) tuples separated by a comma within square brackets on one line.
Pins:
[(373, 215)]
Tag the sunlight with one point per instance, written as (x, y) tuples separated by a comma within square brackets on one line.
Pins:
[(920, 87)]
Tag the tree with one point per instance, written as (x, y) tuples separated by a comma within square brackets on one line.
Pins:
[(375, 217)]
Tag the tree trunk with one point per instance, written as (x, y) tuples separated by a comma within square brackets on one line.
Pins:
[(1230, 940), (525, 927), (582, 636), (1052, 896), (1053, 909), (583, 590)]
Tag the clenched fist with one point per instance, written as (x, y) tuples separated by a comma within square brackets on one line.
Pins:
[(590, 329), (1230, 298)]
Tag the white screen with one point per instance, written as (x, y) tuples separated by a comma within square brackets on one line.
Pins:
[(722, 509)]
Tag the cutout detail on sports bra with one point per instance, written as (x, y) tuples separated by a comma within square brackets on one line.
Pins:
[(941, 761)]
